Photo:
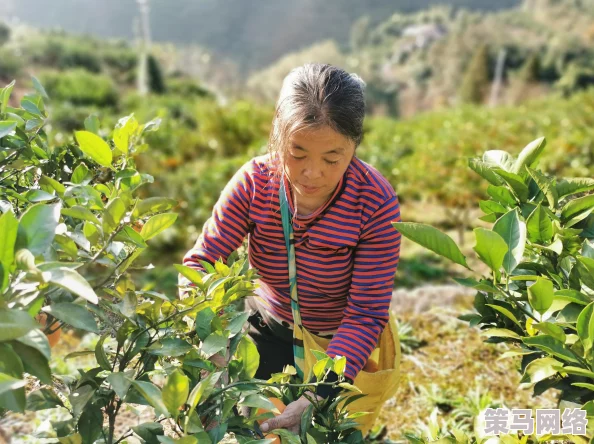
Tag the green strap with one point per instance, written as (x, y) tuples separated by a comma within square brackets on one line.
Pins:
[(298, 350)]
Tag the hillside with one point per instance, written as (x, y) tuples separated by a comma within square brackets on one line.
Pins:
[(254, 34)]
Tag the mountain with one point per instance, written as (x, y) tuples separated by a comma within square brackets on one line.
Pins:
[(252, 33)]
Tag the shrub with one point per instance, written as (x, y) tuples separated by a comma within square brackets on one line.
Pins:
[(538, 293), (10, 64), (80, 87), (72, 227)]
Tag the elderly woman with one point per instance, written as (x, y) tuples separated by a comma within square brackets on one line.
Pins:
[(345, 249)]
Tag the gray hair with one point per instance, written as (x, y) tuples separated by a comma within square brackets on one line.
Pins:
[(316, 95)]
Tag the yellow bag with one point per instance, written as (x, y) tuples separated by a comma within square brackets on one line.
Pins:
[(379, 386)]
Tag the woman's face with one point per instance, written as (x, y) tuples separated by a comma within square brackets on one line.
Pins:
[(315, 161)]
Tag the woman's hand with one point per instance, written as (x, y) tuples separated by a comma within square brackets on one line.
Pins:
[(290, 419)]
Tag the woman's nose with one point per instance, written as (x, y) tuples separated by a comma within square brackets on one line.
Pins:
[(312, 173)]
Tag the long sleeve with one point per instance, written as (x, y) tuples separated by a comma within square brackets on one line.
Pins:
[(367, 310), (226, 229)]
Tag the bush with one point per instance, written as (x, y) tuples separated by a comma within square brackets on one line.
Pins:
[(64, 52), (73, 225), (11, 65), (80, 87), (538, 293), (4, 33)]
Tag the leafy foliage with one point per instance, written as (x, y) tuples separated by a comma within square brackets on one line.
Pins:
[(73, 227), (539, 295)]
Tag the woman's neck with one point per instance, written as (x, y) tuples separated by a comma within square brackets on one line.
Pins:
[(306, 207)]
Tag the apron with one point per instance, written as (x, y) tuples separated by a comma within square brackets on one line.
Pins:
[(378, 385)]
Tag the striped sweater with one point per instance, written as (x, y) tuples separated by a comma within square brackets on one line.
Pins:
[(347, 252)]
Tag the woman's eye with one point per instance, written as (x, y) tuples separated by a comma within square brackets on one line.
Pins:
[(297, 158), (331, 163)]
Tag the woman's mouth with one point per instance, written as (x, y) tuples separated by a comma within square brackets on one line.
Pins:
[(309, 190)]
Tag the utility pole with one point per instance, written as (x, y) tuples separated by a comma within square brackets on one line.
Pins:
[(144, 43), (498, 80)]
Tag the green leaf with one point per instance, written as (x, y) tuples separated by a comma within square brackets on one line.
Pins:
[(585, 267), (529, 156), (541, 295), (506, 313), (547, 186), (94, 147), (34, 361), (100, 354), (577, 371), (484, 170), (113, 214), (170, 347), (149, 431), (81, 172), (72, 281), (491, 207), (585, 326), (49, 184), (157, 224), (516, 183), (120, 383), (80, 397), (502, 195), (513, 231), (214, 343), (12, 393), (43, 399), (432, 239), (573, 296), (6, 128), (73, 314), (498, 159), (9, 228), (259, 401), (339, 365), (28, 105), (90, 423), (202, 390), (129, 236), (5, 95), (540, 369), (37, 228), (37, 340), (12, 384), (249, 355), (15, 323), (551, 346), (152, 394), (175, 392), (92, 124), (576, 207), (539, 226), (125, 129), (81, 213), (193, 275), (203, 319), (499, 333), (39, 87), (490, 247), (567, 187), (153, 205), (552, 330)]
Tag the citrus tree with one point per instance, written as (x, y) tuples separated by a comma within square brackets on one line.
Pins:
[(538, 294), (73, 227)]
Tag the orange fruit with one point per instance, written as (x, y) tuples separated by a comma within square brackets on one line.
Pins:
[(281, 408), (53, 337)]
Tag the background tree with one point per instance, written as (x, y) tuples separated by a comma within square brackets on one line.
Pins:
[(476, 78)]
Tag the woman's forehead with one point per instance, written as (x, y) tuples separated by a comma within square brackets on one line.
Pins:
[(323, 140)]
